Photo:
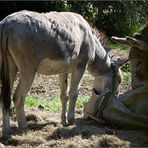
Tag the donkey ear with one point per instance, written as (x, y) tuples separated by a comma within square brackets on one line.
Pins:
[(119, 40), (137, 43)]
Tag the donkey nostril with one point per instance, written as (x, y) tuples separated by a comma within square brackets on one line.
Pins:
[(96, 92)]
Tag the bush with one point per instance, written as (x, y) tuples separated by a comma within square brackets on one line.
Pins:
[(119, 18)]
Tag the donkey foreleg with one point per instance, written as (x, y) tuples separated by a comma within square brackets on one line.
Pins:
[(76, 77), (25, 82), (63, 96)]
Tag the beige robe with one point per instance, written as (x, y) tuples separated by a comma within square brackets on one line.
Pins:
[(129, 109)]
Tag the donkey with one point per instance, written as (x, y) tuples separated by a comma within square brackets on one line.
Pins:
[(50, 43)]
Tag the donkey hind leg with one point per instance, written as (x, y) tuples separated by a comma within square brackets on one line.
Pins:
[(25, 82), (63, 96), (76, 77), (12, 74)]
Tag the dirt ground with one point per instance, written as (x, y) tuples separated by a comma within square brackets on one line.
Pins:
[(45, 130)]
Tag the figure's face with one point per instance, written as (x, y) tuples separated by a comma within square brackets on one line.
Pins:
[(139, 67)]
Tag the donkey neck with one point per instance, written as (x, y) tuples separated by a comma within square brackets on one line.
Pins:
[(101, 63)]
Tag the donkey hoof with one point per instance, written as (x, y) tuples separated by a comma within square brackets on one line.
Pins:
[(64, 123)]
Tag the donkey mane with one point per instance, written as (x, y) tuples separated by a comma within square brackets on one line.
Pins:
[(101, 36)]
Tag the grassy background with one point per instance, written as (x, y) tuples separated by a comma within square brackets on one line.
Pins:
[(119, 47), (53, 105)]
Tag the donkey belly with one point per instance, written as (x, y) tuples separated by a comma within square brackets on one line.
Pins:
[(51, 67)]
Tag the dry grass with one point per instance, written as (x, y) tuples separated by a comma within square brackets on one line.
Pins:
[(45, 130), (112, 141)]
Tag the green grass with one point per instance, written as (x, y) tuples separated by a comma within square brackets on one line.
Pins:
[(81, 101), (49, 105), (53, 105), (126, 77), (119, 47)]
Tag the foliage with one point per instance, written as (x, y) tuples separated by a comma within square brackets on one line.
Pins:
[(118, 18), (121, 18)]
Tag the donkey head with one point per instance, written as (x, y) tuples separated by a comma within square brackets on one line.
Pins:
[(103, 84)]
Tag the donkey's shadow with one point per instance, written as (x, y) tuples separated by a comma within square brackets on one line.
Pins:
[(83, 128)]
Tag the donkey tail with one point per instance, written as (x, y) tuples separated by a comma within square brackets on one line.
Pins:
[(5, 80)]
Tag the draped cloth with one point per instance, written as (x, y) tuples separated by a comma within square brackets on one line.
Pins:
[(129, 109)]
